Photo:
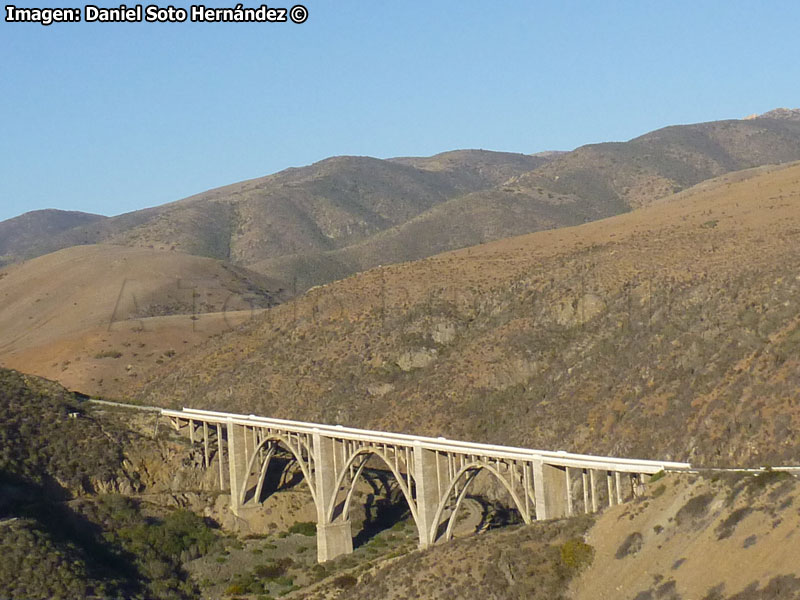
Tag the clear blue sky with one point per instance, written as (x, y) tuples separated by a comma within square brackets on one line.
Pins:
[(112, 118)]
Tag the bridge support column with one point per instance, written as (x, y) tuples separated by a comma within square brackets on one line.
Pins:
[(237, 463), (334, 538), (550, 491), (221, 456), (568, 481), (427, 493), (585, 482), (205, 444)]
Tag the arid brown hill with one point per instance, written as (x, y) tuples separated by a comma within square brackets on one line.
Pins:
[(671, 332), (592, 182), (324, 206), (312, 225), (94, 317), (20, 234)]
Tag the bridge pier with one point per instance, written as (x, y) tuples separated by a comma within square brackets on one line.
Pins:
[(334, 539), (237, 462), (426, 469), (334, 535), (550, 490), (205, 444), (221, 456)]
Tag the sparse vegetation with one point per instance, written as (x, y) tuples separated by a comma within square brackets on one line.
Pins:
[(631, 545), (726, 528), (40, 442), (696, 508), (658, 490), (576, 554), (304, 528)]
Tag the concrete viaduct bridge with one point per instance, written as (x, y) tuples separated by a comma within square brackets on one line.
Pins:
[(433, 474)]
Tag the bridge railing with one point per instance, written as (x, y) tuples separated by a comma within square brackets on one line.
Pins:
[(440, 444)]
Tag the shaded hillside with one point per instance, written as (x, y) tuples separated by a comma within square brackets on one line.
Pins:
[(93, 313), (19, 235), (60, 536), (464, 221), (45, 456), (41, 444), (668, 332)]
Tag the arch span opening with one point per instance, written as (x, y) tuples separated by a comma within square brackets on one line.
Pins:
[(495, 501), (282, 455), (383, 490)]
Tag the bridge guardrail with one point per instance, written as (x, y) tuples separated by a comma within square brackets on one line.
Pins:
[(560, 458)]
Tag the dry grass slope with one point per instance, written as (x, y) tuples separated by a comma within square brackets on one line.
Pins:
[(91, 314), (720, 537), (669, 332)]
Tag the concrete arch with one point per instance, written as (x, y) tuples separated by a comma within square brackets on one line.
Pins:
[(469, 472), (366, 453), (296, 452), (261, 476)]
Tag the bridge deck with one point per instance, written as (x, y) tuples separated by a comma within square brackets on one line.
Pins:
[(440, 444)]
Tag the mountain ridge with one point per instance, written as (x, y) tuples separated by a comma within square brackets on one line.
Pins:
[(345, 214), (19, 234)]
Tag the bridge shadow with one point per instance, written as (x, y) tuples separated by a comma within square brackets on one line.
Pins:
[(495, 514), (384, 506), (282, 474), (495, 504)]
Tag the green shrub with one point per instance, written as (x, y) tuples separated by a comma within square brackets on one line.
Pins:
[(304, 528), (576, 554)]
